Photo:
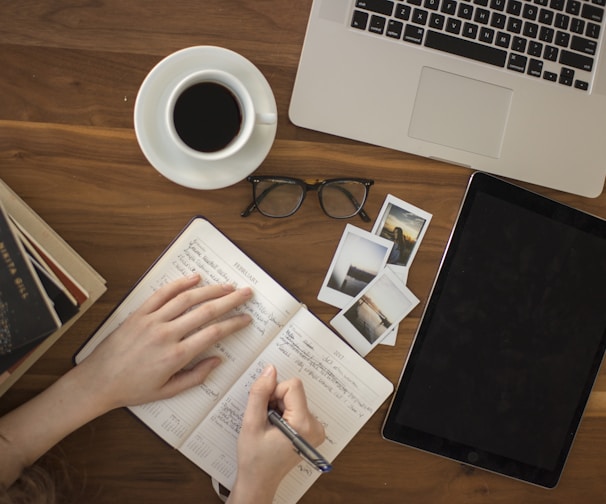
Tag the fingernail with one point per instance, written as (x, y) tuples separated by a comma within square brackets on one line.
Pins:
[(268, 371), (228, 287), (246, 291)]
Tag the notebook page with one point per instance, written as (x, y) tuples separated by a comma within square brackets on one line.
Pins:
[(342, 389), (201, 248)]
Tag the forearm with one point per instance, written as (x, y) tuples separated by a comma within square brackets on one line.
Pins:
[(142, 361), (29, 431)]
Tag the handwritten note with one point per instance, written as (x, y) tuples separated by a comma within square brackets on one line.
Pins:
[(202, 249), (343, 391)]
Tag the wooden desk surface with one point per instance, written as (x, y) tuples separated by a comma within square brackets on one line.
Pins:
[(70, 75)]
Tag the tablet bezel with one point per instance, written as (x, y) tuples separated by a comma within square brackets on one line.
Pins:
[(393, 431)]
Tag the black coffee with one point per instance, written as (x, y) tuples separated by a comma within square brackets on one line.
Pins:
[(207, 116)]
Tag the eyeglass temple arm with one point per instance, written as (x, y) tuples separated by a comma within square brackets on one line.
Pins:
[(248, 210), (363, 215)]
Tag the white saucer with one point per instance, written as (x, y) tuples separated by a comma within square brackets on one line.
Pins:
[(152, 131)]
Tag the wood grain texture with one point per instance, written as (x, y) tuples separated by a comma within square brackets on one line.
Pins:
[(70, 74)]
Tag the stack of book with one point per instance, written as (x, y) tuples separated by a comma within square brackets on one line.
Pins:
[(45, 286)]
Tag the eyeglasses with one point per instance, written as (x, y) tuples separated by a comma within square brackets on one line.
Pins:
[(282, 196)]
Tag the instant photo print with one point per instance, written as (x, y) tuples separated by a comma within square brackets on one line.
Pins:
[(359, 258), (374, 312), (404, 225)]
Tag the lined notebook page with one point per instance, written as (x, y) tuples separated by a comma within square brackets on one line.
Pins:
[(342, 389), (201, 248)]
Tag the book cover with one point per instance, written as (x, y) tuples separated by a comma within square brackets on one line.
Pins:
[(81, 284), (26, 313)]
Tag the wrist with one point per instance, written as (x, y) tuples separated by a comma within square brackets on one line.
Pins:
[(256, 491), (80, 388), (92, 390)]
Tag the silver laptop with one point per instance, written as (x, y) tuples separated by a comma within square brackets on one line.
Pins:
[(511, 87)]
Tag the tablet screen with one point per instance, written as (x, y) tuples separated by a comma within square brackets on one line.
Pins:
[(512, 336)]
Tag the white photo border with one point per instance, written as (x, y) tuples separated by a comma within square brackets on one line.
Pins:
[(354, 243), (395, 298), (397, 211)]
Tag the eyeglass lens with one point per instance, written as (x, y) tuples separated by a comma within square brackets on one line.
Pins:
[(278, 198), (282, 197), (342, 199)]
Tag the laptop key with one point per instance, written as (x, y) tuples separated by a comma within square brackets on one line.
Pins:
[(514, 7), (384, 7), (550, 76), (498, 20), (413, 34), (573, 7), (575, 60), (503, 39), (377, 24), (535, 68), (566, 76), (518, 44), (562, 21), (449, 7), (403, 12), (562, 39), (359, 20), (557, 4), (466, 48), (419, 16), (551, 53), (517, 62), (487, 35), (535, 48), (584, 45), (453, 25), (470, 30), (437, 21), (592, 12), (546, 16), (593, 30), (579, 84), (394, 29)]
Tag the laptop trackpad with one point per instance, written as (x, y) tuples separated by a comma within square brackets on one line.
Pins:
[(459, 112)]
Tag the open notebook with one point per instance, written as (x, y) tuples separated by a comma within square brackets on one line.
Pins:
[(343, 390)]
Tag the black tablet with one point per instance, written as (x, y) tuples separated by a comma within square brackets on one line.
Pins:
[(512, 336)]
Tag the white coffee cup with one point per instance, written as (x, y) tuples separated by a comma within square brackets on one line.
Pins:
[(211, 116)]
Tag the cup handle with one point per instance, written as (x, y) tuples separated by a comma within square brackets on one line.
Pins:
[(266, 118)]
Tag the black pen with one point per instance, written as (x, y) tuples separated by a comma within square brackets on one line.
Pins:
[(303, 448)]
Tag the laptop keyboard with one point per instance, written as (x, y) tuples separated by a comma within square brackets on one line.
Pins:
[(554, 40)]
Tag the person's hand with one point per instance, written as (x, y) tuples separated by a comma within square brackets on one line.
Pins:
[(265, 455), (143, 359)]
